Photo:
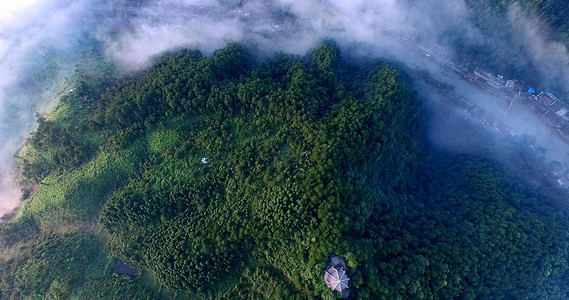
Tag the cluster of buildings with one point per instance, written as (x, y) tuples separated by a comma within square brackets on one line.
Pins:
[(494, 81), (548, 107), (552, 110)]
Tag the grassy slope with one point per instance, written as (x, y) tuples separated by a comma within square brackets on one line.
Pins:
[(63, 210)]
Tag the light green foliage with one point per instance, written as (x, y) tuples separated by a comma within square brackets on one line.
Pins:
[(49, 249), (77, 195), (159, 141)]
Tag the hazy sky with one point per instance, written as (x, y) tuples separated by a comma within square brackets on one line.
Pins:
[(9, 8)]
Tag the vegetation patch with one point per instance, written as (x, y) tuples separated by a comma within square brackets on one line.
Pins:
[(219, 178)]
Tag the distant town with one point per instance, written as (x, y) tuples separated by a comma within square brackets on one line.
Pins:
[(550, 109)]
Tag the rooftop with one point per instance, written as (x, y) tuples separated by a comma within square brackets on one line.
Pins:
[(336, 279)]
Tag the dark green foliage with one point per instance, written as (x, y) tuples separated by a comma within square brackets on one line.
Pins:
[(50, 265), (67, 151), (465, 233), (17, 231), (299, 167), (60, 266), (304, 158), (290, 151), (115, 287), (261, 283)]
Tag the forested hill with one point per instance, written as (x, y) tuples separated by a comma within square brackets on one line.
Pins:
[(221, 178)]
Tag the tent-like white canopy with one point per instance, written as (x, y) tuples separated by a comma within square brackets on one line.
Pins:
[(337, 280)]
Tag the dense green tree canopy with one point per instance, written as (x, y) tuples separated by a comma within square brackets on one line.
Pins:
[(236, 180)]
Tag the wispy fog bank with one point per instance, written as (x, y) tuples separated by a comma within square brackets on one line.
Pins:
[(551, 57), (39, 42), (287, 25)]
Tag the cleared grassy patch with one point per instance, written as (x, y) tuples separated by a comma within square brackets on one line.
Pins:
[(161, 140), (77, 196)]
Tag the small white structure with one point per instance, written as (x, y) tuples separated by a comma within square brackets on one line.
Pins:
[(204, 160), (563, 182), (335, 279)]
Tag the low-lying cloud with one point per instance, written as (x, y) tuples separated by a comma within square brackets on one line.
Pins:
[(286, 25), (38, 42), (551, 56)]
